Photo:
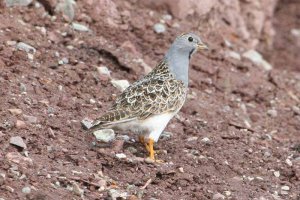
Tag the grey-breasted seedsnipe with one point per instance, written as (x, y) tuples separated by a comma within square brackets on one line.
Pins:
[(149, 104)]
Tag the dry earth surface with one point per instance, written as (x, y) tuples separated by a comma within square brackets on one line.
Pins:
[(237, 136)]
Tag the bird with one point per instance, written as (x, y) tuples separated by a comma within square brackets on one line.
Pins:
[(147, 105)]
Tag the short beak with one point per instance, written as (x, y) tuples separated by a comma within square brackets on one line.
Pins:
[(202, 46)]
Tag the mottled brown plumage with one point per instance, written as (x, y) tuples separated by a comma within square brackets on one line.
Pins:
[(158, 92)]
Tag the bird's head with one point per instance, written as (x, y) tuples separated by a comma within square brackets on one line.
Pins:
[(189, 43)]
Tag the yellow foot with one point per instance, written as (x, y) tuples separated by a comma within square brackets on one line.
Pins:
[(150, 160)]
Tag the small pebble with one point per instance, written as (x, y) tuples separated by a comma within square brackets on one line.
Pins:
[(285, 187), (192, 139), (167, 17), (205, 140), (65, 60), (26, 190), (159, 28), (15, 111), (103, 71), (120, 155), (272, 113), (227, 193), (25, 47), (80, 27), (18, 2), (20, 124), (295, 32), (23, 87), (116, 194), (87, 123), (288, 162), (218, 196), (17, 141), (123, 137), (233, 54), (30, 56), (257, 58), (120, 84), (132, 150), (92, 101), (30, 119), (11, 43), (277, 174), (296, 110), (166, 135), (181, 169), (104, 135), (149, 160), (76, 189)]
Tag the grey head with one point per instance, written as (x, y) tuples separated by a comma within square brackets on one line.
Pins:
[(180, 53)]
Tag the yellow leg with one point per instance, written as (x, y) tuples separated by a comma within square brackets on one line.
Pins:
[(151, 150), (142, 140)]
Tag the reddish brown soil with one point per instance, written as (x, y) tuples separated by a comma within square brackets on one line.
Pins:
[(229, 103)]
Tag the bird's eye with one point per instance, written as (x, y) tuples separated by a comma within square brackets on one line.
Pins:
[(190, 39)]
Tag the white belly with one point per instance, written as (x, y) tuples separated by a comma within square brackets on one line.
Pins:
[(151, 127)]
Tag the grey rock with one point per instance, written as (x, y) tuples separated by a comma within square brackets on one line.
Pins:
[(17, 158), (121, 155), (205, 140), (65, 60), (272, 113), (295, 32), (60, 62), (192, 139), (86, 123), (116, 194), (76, 189), (166, 135), (218, 196), (15, 111), (120, 84), (296, 110), (80, 27), (25, 47), (233, 54), (17, 141), (123, 137), (276, 174), (159, 28), (257, 59), (26, 190), (132, 150), (17, 2), (105, 135), (285, 187), (30, 119), (92, 101), (103, 71), (11, 43), (67, 8), (23, 87), (167, 17), (288, 162)]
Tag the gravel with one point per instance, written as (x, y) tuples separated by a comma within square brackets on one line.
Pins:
[(257, 58), (26, 190), (159, 28), (120, 84), (80, 27), (17, 141), (25, 47), (105, 135)]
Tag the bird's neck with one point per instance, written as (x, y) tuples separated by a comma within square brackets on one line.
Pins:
[(178, 64)]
